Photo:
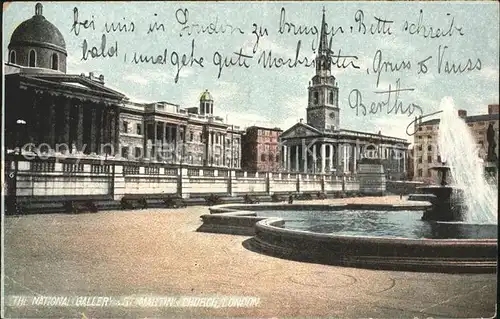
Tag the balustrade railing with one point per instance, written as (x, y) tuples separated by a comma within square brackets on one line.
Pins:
[(97, 168), (72, 167), (42, 166), (131, 170)]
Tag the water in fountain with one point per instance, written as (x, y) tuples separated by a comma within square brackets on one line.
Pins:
[(457, 147)]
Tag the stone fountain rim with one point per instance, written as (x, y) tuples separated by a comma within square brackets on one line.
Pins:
[(245, 211), (402, 254)]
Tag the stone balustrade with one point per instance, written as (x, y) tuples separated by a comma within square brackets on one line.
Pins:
[(113, 179)]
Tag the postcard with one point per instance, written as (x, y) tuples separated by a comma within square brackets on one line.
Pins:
[(250, 159)]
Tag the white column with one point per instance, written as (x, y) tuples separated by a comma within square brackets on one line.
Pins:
[(297, 158), (209, 155), (344, 147), (288, 158), (355, 158), (404, 161), (315, 159), (305, 153), (323, 158), (283, 157), (339, 155), (331, 157)]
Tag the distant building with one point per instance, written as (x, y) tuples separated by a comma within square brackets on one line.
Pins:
[(493, 108), (320, 145), (261, 150), (45, 106), (165, 132), (410, 169), (426, 153)]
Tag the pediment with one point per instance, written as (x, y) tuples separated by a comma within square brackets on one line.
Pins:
[(78, 82), (300, 130)]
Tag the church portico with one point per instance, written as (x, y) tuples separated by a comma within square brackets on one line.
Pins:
[(319, 145)]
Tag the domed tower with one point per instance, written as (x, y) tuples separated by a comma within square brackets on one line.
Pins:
[(206, 103), (38, 43)]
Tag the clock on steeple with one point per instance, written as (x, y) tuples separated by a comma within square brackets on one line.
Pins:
[(323, 109)]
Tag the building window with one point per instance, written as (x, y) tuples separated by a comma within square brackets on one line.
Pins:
[(191, 136), (429, 136), (139, 129), (32, 58), (315, 98), (330, 97), (263, 158), (419, 172), (125, 152), (138, 152), (125, 127), (420, 147), (12, 57), (429, 173), (420, 160), (271, 157), (429, 147), (420, 128), (55, 61), (420, 137), (429, 159)]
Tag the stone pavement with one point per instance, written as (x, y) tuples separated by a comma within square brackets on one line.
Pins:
[(157, 252)]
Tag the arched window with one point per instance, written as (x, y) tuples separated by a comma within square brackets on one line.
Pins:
[(330, 97), (263, 158), (32, 58), (12, 57), (315, 98), (55, 62)]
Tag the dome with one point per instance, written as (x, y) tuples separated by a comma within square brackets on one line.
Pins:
[(206, 96), (38, 32)]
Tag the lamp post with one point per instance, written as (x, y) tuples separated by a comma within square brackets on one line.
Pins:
[(12, 205)]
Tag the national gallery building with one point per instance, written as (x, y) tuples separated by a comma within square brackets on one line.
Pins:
[(321, 146), (47, 107)]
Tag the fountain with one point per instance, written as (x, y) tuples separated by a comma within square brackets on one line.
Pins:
[(472, 197), (447, 201), (458, 146), (451, 227)]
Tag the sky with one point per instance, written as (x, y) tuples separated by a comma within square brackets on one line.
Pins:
[(247, 92)]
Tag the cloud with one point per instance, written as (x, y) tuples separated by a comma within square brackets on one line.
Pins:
[(489, 73), (244, 120), (136, 78), (393, 125)]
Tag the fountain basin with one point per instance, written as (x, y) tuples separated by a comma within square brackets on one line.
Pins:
[(447, 203), (435, 255)]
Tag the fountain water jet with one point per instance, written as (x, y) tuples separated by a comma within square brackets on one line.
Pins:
[(457, 144)]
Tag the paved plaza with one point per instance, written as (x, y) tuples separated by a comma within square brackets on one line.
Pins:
[(158, 252)]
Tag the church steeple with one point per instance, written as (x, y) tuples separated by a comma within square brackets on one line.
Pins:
[(323, 42), (323, 56), (323, 108)]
